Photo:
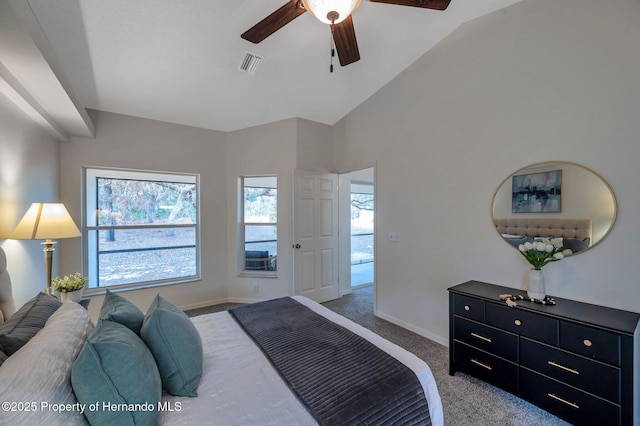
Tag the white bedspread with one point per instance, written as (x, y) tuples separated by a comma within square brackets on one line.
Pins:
[(240, 387)]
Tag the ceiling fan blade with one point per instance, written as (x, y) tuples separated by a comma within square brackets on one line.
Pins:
[(273, 22), (427, 4), (344, 37)]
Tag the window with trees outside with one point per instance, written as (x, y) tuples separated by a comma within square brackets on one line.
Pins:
[(259, 225), (141, 228)]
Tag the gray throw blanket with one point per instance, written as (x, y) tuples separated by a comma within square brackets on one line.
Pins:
[(340, 377)]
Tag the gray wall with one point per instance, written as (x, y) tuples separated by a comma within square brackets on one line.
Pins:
[(134, 143), (269, 149), (28, 174), (540, 80), (276, 148), (220, 159)]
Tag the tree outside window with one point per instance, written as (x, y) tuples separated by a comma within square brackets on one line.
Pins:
[(142, 228), (259, 224)]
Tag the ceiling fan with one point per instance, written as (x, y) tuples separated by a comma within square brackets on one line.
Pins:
[(336, 13)]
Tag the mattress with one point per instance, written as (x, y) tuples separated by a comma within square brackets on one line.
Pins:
[(239, 386)]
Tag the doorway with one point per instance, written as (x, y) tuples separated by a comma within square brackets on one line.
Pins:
[(362, 227), (357, 225)]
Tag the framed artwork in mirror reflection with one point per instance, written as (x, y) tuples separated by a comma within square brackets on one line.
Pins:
[(537, 192)]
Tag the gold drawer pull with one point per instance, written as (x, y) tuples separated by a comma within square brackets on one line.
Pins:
[(488, 367), (562, 367), (467, 307), (564, 401), (518, 322), (587, 342), (477, 336)]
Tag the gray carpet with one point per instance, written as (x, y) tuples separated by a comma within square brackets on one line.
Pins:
[(466, 400)]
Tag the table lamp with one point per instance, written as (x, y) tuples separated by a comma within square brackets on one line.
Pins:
[(46, 221)]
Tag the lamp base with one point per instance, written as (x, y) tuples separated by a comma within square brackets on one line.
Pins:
[(50, 291), (48, 258)]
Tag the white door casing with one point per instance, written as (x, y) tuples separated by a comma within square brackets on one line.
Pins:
[(315, 234)]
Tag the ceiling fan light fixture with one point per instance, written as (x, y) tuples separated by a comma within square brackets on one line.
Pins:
[(325, 10)]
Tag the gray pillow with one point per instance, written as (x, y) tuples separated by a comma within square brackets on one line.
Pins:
[(117, 308), (576, 245), (176, 346), (115, 367), (26, 322), (11, 344)]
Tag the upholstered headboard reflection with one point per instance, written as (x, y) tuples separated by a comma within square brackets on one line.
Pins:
[(544, 227), (576, 233), (7, 305)]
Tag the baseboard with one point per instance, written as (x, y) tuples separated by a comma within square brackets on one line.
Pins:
[(208, 303), (204, 304), (244, 300), (424, 333)]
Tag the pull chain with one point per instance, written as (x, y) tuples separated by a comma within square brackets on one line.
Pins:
[(333, 51)]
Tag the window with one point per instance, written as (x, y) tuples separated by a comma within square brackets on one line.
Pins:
[(141, 228), (259, 225)]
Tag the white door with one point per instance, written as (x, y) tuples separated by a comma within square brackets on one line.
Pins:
[(315, 233)]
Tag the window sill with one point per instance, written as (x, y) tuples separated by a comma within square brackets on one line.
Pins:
[(253, 274), (98, 291)]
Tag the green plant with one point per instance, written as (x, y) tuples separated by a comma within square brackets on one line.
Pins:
[(539, 253), (69, 283)]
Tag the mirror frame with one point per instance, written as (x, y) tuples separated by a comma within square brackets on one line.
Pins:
[(559, 163)]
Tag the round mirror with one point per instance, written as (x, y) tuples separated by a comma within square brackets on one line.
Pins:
[(554, 200)]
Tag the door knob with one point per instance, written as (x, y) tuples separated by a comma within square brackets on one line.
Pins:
[(297, 246)]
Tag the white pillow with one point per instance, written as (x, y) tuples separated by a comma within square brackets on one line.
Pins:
[(40, 372)]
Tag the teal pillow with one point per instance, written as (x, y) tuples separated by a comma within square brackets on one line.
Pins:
[(516, 241), (117, 308), (115, 367), (176, 346)]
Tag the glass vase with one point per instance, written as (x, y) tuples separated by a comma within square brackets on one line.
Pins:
[(536, 288)]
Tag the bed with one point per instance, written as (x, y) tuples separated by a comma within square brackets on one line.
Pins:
[(238, 383), (575, 233)]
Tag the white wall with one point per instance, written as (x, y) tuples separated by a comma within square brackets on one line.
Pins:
[(28, 173), (134, 143), (538, 81)]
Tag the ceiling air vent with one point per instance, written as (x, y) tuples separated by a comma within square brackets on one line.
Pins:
[(250, 63)]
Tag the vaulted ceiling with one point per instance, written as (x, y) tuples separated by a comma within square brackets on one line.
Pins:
[(177, 61)]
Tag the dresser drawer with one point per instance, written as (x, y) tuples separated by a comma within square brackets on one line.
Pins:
[(487, 338), (567, 402), (487, 367), (538, 327), (590, 342), (468, 307), (592, 376)]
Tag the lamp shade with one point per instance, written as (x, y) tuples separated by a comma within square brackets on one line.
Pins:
[(321, 8), (46, 221)]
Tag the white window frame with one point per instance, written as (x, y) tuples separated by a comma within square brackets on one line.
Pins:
[(91, 227), (241, 231)]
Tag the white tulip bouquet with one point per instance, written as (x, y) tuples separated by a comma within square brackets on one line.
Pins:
[(541, 252)]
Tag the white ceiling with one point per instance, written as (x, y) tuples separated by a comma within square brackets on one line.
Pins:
[(177, 61)]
